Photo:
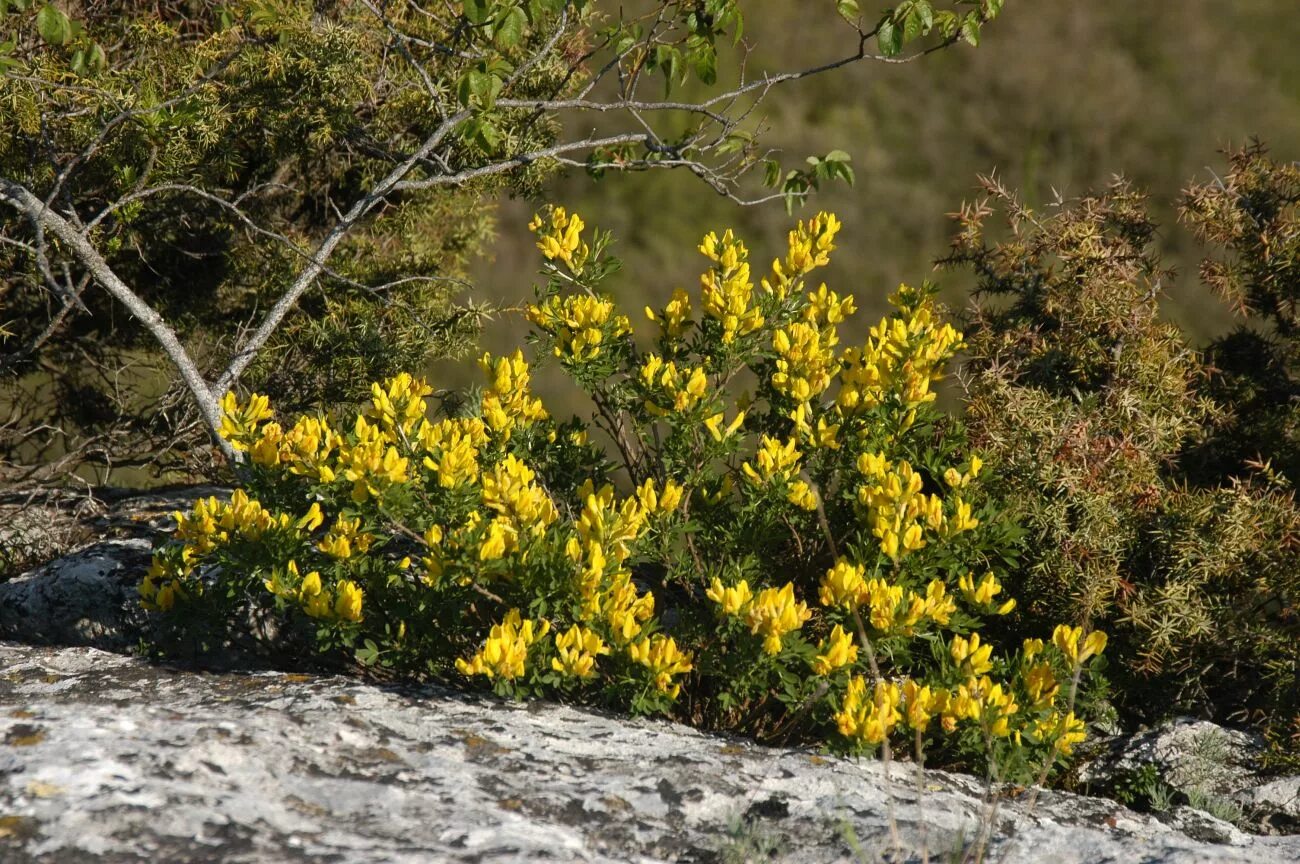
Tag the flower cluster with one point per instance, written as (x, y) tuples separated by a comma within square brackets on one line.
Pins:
[(734, 544)]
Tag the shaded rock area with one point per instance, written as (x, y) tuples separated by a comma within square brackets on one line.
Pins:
[(88, 596), (106, 758)]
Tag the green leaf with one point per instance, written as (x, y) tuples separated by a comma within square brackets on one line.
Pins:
[(488, 136), (946, 20), (970, 30), (992, 8), (53, 25), (706, 64), (511, 28), (911, 25), (476, 11), (98, 59), (771, 173), (848, 10), (889, 38)]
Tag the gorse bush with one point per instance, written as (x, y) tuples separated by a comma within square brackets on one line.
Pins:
[(1109, 441), (813, 558)]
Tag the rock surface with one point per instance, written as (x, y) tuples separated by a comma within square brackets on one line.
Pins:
[(106, 758), (1213, 767), (88, 597)]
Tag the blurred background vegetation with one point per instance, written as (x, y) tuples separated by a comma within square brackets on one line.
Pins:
[(1059, 98)]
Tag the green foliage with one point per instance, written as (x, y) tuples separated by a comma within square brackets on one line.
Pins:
[(283, 114), (218, 147), (811, 559), (1251, 218), (1092, 411)]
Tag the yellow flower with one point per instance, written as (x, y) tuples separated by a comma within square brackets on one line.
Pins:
[(1075, 646), (921, 704), (714, 425), (836, 651), (670, 390), (511, 491), (982, 594), (777, 461), (662, 657), (499, 541), (731, 601), (973, 658), (559, 237), (508, 402), (1064, 731), (809, 246), (868, 719), (505, 652), (581, 325), (398, 403), (347, 601), (938, 605), (1041, 684), (774, 613), (676, 317), (344, 538), (239, 425), (844, 585), (578, 649), (312, 520), (625, 610), (726, 294)]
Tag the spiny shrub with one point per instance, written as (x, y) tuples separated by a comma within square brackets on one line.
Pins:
[(1092, 412), (1251, 219), (810, 560)]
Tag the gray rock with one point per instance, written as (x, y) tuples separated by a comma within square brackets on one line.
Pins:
[(1275, 804), (1193, 756), (1216, 770), (89, 596), (107, 758), (86, 598)]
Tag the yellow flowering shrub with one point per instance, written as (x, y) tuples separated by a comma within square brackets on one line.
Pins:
[(813, 560)]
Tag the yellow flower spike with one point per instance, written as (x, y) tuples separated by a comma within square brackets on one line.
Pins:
[(312, 520), (844, 585), (1032, 648), (774, 613), (670, 498), (665, 661), (973, 658), (347, 601), (731, 601), (507, 401), (920, 704), (578, 649), (801, 495), (505, 652), (497, 543), (869, 718), (1064, 731), (1041, 684), (835, 651), (1071, 643), (939, 606), (1093, 645)]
